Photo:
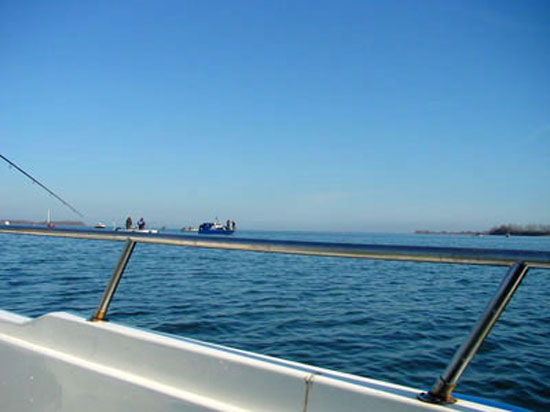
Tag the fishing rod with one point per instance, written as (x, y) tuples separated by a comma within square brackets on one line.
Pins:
[(42, 186)]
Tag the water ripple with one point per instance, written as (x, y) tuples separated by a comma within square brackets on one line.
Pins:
[(395, 321)]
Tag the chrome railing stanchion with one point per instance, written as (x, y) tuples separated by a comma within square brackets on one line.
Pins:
[(110, 289), (442, 390)]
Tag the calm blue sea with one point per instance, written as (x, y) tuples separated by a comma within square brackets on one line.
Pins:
[(399, 322)]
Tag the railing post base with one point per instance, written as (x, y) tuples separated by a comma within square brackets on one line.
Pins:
[(442, 395)]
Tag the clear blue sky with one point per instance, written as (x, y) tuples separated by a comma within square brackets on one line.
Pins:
[(365, 116)]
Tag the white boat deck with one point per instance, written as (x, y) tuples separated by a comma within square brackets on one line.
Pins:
[(62, 362)]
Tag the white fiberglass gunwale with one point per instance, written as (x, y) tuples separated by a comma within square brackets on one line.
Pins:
[(104, 362)]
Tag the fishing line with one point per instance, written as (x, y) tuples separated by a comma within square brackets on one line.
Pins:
[(42, 186)]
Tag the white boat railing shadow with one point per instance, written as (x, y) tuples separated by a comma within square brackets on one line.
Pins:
[(518, 262)]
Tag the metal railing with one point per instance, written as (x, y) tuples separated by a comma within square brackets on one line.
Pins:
[(518, 261)]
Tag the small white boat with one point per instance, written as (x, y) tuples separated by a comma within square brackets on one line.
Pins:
[(189, 229), (100, 225), (136, 230)]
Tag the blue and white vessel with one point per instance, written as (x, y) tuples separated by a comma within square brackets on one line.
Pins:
[(216, 228)]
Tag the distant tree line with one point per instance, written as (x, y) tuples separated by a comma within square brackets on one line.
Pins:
[(509, 229), (519, 230)]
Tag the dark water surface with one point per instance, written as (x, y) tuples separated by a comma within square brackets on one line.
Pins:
[(395, 321)]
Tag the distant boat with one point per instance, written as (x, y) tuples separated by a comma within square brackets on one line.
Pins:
[(136, 230), (100, 225), (216, 228), (139, 228), (189, 229)]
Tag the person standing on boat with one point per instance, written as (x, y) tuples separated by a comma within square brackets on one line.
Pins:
[(141, 224), (129, 223)]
